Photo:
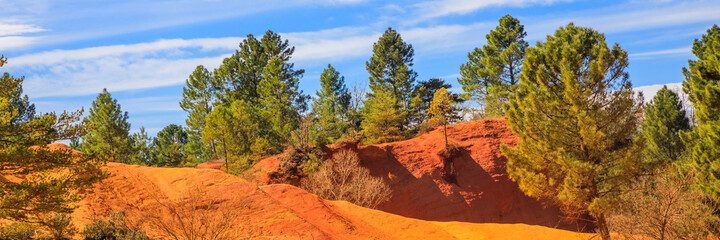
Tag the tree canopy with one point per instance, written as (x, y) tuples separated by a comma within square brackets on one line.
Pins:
[(37, 180), (492, 72), (702, 83), (441, 107), (576, 117), (109, 138), (665, 120), (331, 106), (167, 149), (198, 100)]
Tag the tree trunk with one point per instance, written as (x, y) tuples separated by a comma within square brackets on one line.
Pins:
[(227, 169), (602, 226), (212, 147), (445, 130)]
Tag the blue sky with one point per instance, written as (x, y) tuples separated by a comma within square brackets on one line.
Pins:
[(142, 51)]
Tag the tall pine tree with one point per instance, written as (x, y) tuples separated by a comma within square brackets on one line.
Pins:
[(492, 73), (240, 75), (198, 100), (576, 117), (702, 83), (109, 138), (665, 119), (278, 102), (331, 106), (390, 72), (261, 75)]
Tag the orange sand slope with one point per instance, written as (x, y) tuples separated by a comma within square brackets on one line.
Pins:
[(483, 193), (277, 211)]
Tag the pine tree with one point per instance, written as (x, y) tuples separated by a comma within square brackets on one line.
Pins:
[(702, 83), (236, 130), (390, 72), (167, 149), (21, 104), (491, 73), (278, 93), (275, 97), (198, 100), (140, 145), (37, 180), (441, 108), (382, 120), (576, 118), (665, 119), (331, 106), (424, 93), (109, 138), (240, 75)]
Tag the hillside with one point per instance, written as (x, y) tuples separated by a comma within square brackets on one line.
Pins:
[(270, 212), (481, 193)]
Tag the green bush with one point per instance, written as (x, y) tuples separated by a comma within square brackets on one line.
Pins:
[(18, 231), (60, 226), (116, 227), (299, 159)]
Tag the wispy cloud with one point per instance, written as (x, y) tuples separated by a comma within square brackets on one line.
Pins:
[(11, 35), (168, 62), (674, 51), (624, 18), (9, 29), (60, 56), (87, 19), (17, 42), (440, 8)]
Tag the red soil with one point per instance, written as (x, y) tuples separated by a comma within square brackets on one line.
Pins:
[(276, 211), (483, 193)]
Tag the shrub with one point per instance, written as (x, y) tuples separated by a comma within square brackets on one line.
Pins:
[(60, 226), (197, 215), (116, 227), (665, 206), (297, 159), (18, 231), (344, 179)]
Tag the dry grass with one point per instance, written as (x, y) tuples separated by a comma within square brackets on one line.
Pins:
[(665, 206), (197, 217), (344, 179)]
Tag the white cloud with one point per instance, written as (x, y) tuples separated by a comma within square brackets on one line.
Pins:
[(116, 73), (624, 18), (17, 42), (168, 62), (11, 35), (440, 8), (87, 19), (674, 51), (60, 56), (118, 67), (10, 29)]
